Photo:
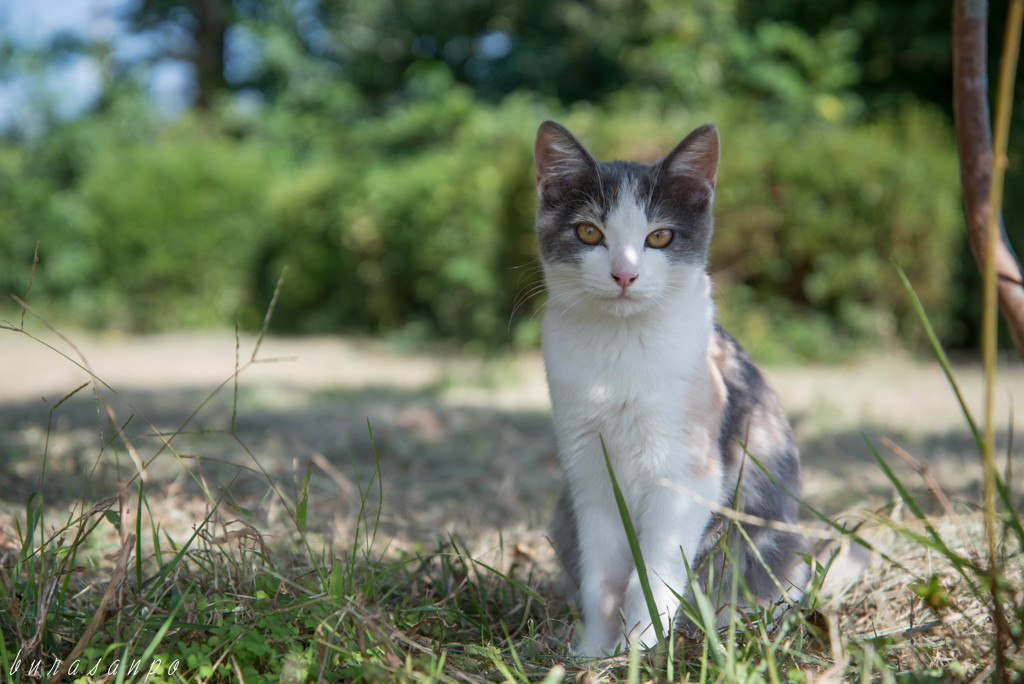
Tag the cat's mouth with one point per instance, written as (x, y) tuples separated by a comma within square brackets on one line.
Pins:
[(625, 303), (627, 295)]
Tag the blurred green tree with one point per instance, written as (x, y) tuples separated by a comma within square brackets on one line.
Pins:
[(191, 30), (381, 149)]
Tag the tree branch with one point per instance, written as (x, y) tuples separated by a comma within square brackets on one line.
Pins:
[(974, 144)]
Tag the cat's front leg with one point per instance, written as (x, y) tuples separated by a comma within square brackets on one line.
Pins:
[(637, 615), (670, 532), (605, 567)]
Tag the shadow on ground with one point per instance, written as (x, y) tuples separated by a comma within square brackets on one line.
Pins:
[(444, 467)]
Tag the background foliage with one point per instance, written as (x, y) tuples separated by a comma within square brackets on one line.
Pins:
[(382, 151)]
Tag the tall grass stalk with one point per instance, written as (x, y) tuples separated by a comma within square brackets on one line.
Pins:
[(989, 332)]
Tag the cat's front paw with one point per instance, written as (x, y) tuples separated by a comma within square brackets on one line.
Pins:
[(589, 649), (645, 639), (637, 615)]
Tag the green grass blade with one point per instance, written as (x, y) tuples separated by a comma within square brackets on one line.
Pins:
[(234, 381), (300, 507), (161, 633), (903, 492), (138, 537), (269, 313), (1008, 477), (633, 676), (491, 653), (154, 531), (155, 581), (1010, 515), (934, 540), (940, 354), (516, 660), (5, 662), (33, 514), (380, 483), (338, 581), (634, 548), (363, 520), (706, 613), (838, 527)]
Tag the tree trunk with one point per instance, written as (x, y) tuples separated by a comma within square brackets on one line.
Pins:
[(208, 57), (974, 144)]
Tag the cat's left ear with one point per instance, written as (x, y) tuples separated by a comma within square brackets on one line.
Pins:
[(561, 162), (695, 159)]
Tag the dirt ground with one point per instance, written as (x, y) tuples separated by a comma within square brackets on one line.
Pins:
[(465, 446)]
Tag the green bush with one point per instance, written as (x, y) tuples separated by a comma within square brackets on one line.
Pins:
[(419, 234), (141, 225), (22, 197), (418, 221), (810, 222), (174, 223)]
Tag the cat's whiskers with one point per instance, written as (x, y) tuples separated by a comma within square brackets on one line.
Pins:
[(521, 300), (566, 309), (529, 268), (558, 296), (669, 295), (527, 272), (572, 295), (559, 286)]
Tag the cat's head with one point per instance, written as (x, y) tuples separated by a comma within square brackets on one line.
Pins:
[(624, 236)]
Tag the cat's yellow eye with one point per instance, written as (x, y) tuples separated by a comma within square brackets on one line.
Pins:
[(660, 238), (589, 234)]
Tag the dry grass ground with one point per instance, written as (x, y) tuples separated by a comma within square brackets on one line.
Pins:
[(465, 447)]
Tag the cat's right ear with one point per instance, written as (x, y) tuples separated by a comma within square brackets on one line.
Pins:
[(560, 160)]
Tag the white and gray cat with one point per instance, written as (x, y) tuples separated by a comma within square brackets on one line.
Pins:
[(634, 357)]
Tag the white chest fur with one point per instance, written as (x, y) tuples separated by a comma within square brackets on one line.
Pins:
[(643, 385), (639, 383)]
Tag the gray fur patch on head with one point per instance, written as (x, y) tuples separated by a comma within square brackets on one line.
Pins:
[(676, 192)]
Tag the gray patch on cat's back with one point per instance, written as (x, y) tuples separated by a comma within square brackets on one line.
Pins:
[(753, 417), (754, 424)]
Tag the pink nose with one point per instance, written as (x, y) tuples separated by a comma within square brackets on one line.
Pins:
[(624, 278)]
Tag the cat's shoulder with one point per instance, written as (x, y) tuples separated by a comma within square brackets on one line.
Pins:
[(753, 415), (738, 369)]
